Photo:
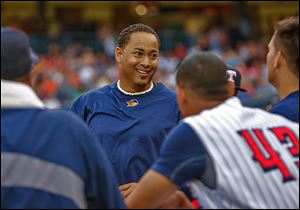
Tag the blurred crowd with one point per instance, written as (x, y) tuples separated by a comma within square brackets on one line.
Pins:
[(72, 63)]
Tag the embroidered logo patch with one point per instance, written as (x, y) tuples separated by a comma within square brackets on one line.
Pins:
[(132, 103)]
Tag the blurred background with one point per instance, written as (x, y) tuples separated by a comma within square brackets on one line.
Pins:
[(75, 41)]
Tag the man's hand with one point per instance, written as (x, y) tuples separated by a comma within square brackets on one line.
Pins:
[(127, 189), (177, 200)]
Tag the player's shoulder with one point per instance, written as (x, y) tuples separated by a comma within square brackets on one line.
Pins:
[(271, 117), (283, 120), (165, 91), (288, 103), (182, 129), (234, 112), (286, 106), (63, 119), (96, 94)]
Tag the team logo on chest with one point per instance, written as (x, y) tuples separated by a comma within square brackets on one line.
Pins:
[(132, 103)]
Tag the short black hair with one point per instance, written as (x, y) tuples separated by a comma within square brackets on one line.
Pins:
[(204, 74), (287, 41), (125, 34)]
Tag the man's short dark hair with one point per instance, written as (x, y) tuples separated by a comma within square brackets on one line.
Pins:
[(286, 40), (125, 34), (204, 74)]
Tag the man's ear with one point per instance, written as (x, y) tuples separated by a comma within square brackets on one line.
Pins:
[(231, 88), (118, 54), (181, 93), (277, 60)]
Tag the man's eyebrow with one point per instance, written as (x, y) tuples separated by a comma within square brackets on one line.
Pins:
[(155, 51), (140, 49)]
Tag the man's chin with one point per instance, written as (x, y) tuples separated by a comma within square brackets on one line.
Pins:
[(142, 82)]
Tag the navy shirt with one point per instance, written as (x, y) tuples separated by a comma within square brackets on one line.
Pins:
[(131, 129), (183, 157), (47, 156), (288, 107)]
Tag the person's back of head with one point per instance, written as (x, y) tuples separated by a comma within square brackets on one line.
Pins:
[(17, 57), (201, 83), (286, 40), (204, 74)]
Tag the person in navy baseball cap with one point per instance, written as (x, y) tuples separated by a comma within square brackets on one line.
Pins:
[(234, 77), (30, 134), (17, 57)]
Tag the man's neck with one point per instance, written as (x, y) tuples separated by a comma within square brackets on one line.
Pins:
[(132, 91), (287, 86), (201, 105), (284, 92), (24, 79)]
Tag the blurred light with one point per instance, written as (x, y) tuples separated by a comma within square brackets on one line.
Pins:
[(141, 10)]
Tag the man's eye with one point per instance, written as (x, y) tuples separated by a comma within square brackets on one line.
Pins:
[(154, 56), (137, 53)]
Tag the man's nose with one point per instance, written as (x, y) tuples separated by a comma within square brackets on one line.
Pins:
[(145, 61)]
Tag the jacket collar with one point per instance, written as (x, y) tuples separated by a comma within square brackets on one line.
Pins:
[(18, 95)]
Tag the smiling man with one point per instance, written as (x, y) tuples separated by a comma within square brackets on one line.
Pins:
[(132, 116)]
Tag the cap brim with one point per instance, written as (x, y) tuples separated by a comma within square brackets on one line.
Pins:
[(241, 89), (33, 57)]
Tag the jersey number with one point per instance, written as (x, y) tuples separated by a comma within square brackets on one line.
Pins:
[(273, 161)]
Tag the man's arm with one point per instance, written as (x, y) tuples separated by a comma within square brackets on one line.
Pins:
[(178, 200), (182, 158), (151, 192)]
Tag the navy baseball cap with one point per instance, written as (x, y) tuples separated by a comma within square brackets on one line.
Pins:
[(235, 76), (17, 57)]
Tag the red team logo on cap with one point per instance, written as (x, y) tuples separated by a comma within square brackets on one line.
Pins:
[(231, 75)]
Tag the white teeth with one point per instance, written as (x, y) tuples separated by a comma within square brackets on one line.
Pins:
[(142, 72)]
